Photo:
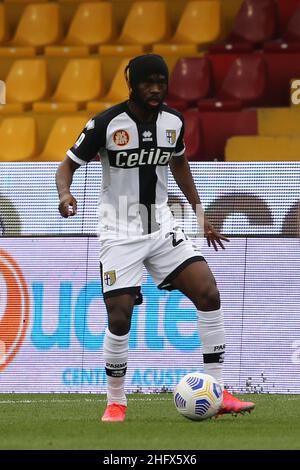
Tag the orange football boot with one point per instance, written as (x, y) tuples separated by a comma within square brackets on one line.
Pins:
[(114, 412), (233, 405)]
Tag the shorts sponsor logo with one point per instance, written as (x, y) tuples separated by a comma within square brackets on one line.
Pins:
[(14, 308), (171, 136), (121, 138), (110, 278)]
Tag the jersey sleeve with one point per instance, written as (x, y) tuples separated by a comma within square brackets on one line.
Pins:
[(91, 139), (180, 145)]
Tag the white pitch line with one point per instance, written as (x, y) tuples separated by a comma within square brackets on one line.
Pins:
[(95, 400), (7, 402)]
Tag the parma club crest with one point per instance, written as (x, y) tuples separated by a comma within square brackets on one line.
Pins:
[(110, 278), (171, 136)]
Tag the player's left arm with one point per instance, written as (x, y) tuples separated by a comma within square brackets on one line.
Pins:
[(181, 171)]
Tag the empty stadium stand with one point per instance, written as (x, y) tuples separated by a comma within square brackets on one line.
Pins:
[(255, 23), (62, 136), (198, 26), (26, 83), (190, 80), (18, 139), (80, 82), (231, 64)]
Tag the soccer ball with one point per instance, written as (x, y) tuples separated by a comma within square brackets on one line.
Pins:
[(198, 396)]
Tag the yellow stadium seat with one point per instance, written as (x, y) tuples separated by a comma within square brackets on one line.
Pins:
[(17, 52), (81, 81), (78, 1), (66, 51), (3, 25), (179, 50), (26, 82), (54, 107), (11, 108), (118, 92), (113, 50), (199, 25), (18, 137), (39, 26), (278, 121), (24, 1), (146, 24), (263, 148), (62, 136), (91, 25)]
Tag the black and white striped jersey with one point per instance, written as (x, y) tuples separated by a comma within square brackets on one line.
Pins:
[(135, 157)]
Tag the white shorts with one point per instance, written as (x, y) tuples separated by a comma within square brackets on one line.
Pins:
[(122, 262)]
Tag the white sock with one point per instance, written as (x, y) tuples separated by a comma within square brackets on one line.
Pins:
[(212, 335), (115, 353)]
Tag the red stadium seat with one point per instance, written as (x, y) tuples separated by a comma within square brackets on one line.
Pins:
[(206, 134), (217, 127), (285, 9), (193, 136), (290, 41), (215, 104), (292, 32), (245, 80), (190, 80), (255, 23), (282, 68), (220, 64), (244, 84)]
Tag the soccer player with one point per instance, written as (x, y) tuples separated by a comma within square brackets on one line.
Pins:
[(136, 141)]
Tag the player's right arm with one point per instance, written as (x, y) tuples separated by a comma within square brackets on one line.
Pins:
[(64, 177), (91, 139)]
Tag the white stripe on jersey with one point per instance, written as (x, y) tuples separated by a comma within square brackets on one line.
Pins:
[(179, 154), (134, 158), (167, 122), (75, 158)]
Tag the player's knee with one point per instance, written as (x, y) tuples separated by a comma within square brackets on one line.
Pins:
[(119, 318), (209, 299)]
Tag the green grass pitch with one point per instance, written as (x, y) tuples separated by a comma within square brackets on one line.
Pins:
[(60, 421)]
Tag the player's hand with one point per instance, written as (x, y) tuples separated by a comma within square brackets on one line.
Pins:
[(213, 236), (67, 205)]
